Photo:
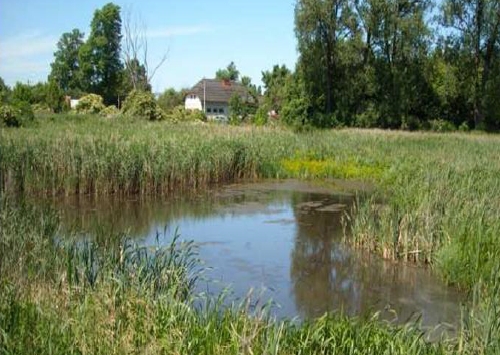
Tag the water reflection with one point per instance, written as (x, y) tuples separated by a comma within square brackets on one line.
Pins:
[(285, 237), (328, 276)]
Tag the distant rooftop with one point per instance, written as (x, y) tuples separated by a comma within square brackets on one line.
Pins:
[(217, 90)]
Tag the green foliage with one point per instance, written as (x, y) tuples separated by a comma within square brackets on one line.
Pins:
[(23, 93), (16, 115), (296, 107), (435, 198), (237, 109), (110, 111), (441, 126), (4, 92), (229, 73), (135, 76), (274, 83), (90, 103), (99, 57), (65, 70), (476, 29), (142, 104), (261, 116), (180, 114), (171, 99)]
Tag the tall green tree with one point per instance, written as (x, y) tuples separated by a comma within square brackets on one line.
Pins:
[(476, 25), (274, 83), (102, 69), (65, 70), (396, 45), (322, 27), (228, 73)]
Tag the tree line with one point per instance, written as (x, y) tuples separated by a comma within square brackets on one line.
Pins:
[(404, 64), (392, 64)]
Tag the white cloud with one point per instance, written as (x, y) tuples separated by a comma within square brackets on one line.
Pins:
[(177, 31)]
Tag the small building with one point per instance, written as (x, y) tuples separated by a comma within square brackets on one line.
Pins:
[(212, 97)]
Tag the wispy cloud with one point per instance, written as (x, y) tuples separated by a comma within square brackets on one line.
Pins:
[(177, 31), (26, 56), (26, 45)]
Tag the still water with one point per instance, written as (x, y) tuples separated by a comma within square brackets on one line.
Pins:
[(284, 240)]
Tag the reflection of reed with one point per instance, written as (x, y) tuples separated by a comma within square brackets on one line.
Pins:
[(102, 217), (327, 277)]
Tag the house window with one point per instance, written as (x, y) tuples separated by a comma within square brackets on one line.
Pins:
[(221, 110), (209, 110)]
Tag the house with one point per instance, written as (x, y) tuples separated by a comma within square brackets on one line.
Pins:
[(212, 97)]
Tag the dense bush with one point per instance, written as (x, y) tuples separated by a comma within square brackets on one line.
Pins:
[(441, 126), (90, 103), (41, 108), (180, 114), (110, 111), (142, 104), (16, 115), (260, 118)]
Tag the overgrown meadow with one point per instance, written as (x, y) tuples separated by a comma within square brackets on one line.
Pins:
[(435, 199)]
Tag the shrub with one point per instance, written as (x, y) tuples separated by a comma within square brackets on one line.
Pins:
[(464, 127), (142, 104), (41, 108), (16, 115), (90, 103), (410, 123), (260, 118), (180, 114), (441, 126), (110, 111)]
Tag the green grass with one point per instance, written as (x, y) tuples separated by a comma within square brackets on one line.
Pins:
[(436, 200)]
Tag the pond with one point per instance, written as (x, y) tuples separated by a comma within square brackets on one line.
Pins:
[(284, 240)]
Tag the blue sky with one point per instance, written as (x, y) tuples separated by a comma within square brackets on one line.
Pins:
[(200, 36)]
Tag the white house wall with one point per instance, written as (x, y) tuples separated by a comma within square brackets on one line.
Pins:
[(193, 103)]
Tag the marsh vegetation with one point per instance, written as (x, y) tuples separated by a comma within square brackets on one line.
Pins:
[(435, 201)]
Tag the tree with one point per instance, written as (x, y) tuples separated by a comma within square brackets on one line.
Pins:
[(135, 53), (476, 23), (66, 67), (321, 27), (229, 73), (135, 78), (274, 84), (102, 70), (22, 93), (396, 46), (170, 99), (237, 109), (4, 92)]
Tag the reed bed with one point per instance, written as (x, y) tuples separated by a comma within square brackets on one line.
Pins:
[(436, 200), (437, 196)]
